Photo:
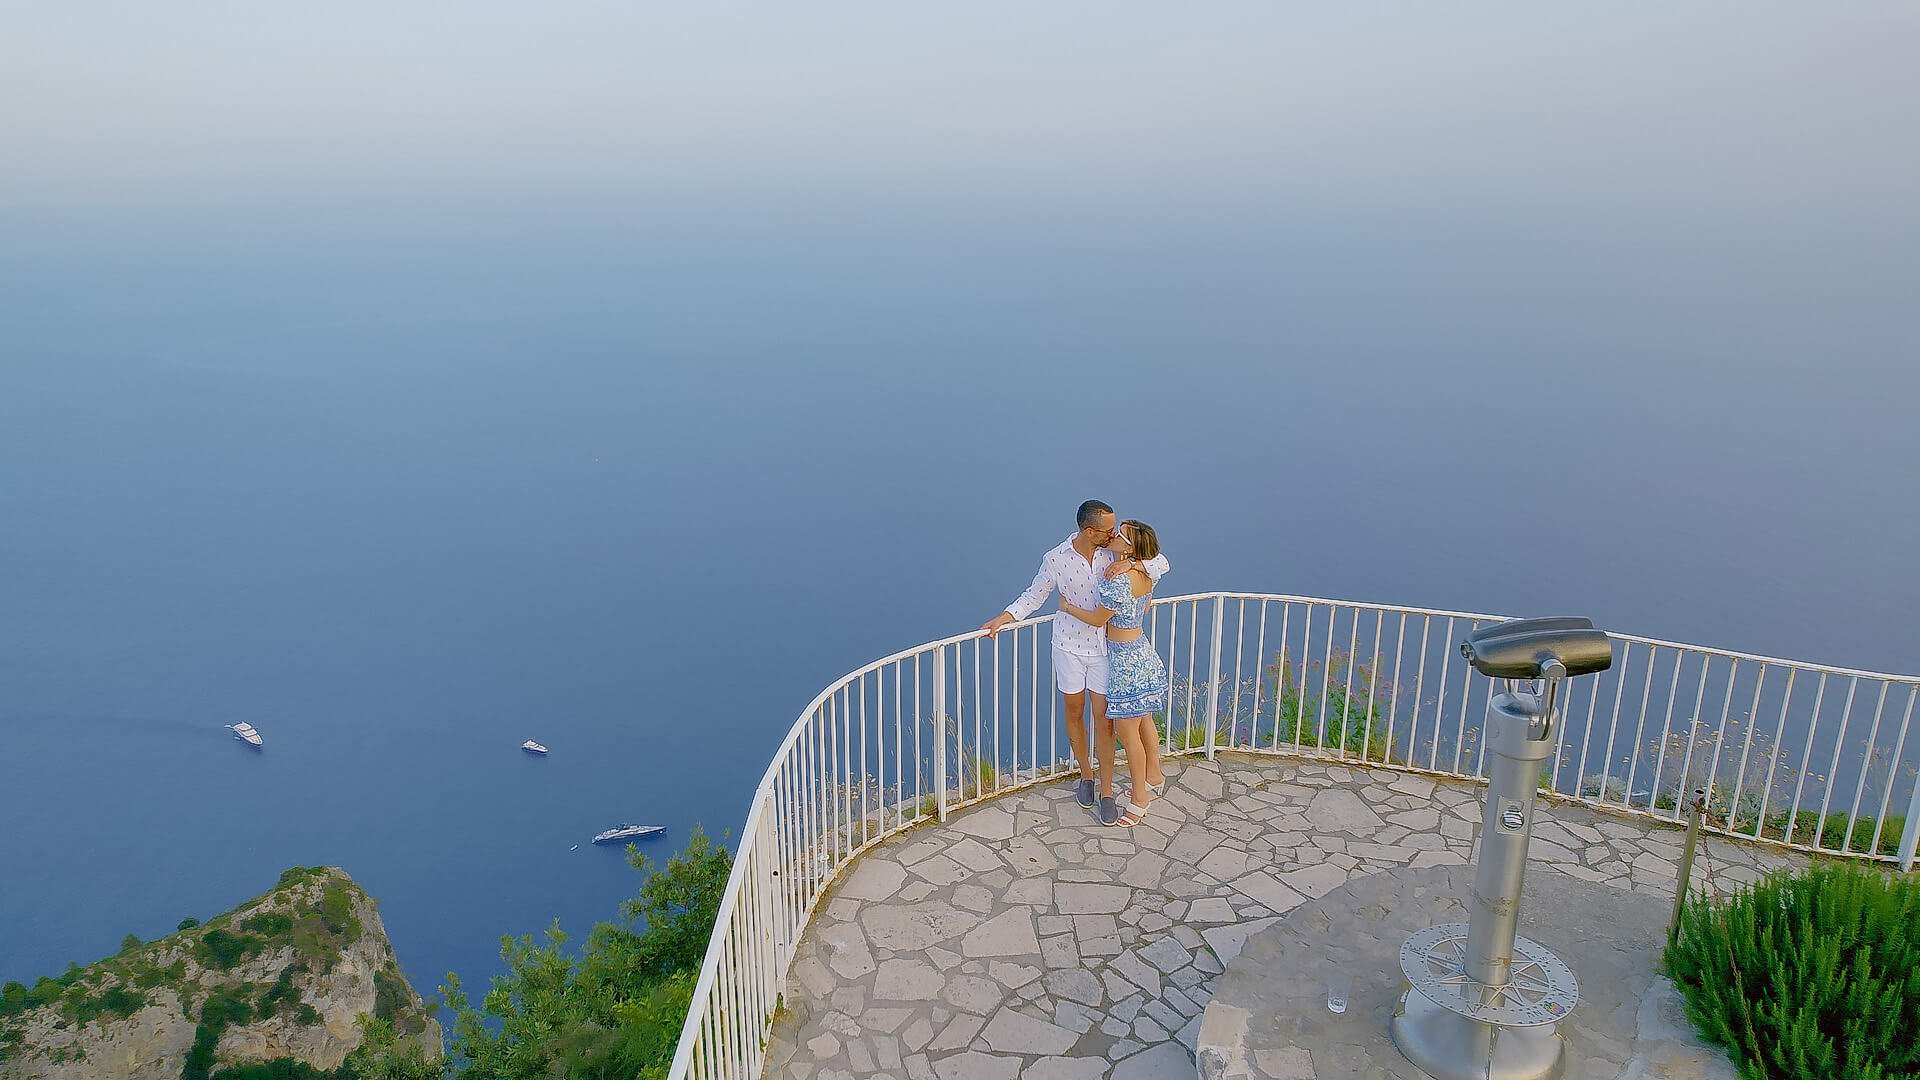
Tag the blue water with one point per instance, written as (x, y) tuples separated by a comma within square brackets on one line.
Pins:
[(405, 484)]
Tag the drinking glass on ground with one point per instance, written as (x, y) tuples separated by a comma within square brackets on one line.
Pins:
[(1339, 985)]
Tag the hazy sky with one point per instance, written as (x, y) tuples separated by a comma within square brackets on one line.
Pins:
[(1722, 108)]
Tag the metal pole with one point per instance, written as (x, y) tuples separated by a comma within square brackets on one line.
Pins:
[(1910, 838), (1213, 694), (940, 730), (1697, 808), (1505, 829)]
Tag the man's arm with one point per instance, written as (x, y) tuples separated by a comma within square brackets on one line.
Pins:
[(1154, 566), (1026, 604)]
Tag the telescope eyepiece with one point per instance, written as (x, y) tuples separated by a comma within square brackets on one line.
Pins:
[(1552, 648)]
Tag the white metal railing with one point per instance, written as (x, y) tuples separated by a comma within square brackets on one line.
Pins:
[(1809, 756)]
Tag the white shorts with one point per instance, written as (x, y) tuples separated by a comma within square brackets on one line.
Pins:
[(1073, 673)]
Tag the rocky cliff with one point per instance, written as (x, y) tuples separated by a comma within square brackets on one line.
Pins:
[(285, 975)]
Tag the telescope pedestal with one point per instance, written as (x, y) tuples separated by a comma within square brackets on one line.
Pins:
[(1483, 1002), (1448, 1046), (1453, 1027)]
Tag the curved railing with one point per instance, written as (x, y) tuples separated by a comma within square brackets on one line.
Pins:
[(1807, 756)]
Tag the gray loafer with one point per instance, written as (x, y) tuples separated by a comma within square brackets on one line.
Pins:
[(1083, 793), (1109, 811)]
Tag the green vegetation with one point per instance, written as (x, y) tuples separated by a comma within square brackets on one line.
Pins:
[(985, 775), (84, 1008), (1808, 976), (615, 1010), (1836, 831), (1191, 737), (310, 916), (1742, 815), (16, 998), (1349, 713), (220, 949), (383, 1055), (283, 996), (270, 923), (199, 1064), (277, 1069), (10, 1042), (78, 1002)]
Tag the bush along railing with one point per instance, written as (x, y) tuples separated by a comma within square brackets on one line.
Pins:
[(1813, 975), (1804, 755)]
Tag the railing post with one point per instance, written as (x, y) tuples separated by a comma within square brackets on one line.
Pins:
[(940, 730), (1910, 836), (767, 855), (1695, 807), (1213, 680)]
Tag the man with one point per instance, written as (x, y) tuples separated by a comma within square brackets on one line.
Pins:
[(1079, 649)]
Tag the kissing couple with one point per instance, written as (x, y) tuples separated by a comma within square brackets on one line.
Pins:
[(1105, 574)]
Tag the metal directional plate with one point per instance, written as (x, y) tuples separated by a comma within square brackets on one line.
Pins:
[(1541, 990)]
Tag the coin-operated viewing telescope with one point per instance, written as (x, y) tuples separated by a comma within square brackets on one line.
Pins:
[(1485, 1003)]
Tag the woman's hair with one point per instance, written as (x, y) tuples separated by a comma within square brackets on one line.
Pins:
[(1141, 535)]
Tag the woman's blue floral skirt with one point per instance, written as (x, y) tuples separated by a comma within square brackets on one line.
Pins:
[(1136, 679)]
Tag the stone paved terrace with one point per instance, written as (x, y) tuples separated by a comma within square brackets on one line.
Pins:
[(1023, 939)]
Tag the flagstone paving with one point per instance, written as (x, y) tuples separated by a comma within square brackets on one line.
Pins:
[(1021, 938)]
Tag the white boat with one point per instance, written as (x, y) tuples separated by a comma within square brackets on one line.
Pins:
[(246, 733), (628, 832), (532, 747)]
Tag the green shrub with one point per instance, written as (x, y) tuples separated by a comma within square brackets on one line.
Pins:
[(1835, 832), (222, 949), (282, 994), (15, 999), (1192, 736), (187, 923), (336, 911), (1812, 976), (389, 993), (83, 1008), (278, 1069), (226, 1007), (615, 1010), (300, 875), (384, 1055), (270, 923), (199, 1065), (1349, 715)]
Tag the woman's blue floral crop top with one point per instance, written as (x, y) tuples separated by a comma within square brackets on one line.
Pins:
[(1116, 595)]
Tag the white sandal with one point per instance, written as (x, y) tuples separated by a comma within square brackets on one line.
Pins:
[(1132, 816)]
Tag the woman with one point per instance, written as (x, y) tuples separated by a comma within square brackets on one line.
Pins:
[(1136, 679)]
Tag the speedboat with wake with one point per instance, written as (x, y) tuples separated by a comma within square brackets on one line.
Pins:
[(628, 832), (532, 747), (245, 733)]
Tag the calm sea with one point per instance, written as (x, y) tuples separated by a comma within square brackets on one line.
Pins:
[(405, 485)]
